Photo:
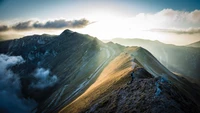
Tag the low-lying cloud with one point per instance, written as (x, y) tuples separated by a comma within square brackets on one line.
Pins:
[(55, 24), (43, 79), (12, 100), (178, 31)]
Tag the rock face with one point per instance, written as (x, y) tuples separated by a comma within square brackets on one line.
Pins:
[(142, 73), (142, 97)]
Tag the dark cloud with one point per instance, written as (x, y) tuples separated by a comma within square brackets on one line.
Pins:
[(56, 24), (51, 24), (27, 25), (12, 100), (178, 31), (79, 23), (3, 28)]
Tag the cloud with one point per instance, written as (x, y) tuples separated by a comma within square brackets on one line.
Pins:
[(23, 25), (12, 100), (3, 28), (55, 24), (194, 16), (178, 31), (62, 24), (43, 79), (170, 18), (180, 16)]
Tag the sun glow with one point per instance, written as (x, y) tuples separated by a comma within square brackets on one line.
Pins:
[(115, 27), (107, 27)]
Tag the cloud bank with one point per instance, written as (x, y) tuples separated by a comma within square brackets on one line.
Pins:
[(55, 24), (22, 25), (12, 100), (61, 24), (43, 79), (171, 18), (178, 31)]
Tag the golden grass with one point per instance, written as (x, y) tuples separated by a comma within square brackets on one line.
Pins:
[(113, 76)]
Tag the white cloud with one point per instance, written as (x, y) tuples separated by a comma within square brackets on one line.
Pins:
[(194, 16), (178, 31), (170, 18), (12, 100), (43, 79)]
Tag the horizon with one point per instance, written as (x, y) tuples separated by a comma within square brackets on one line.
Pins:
[(103, 40), (170, 22)]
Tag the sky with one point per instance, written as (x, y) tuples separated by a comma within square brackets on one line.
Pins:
[(169, 21)]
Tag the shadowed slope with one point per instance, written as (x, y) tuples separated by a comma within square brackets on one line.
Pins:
[(75, 59)]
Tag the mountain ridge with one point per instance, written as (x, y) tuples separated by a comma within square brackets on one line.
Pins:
[(177, 59), (73, 63), (113, 94), (195, 44)]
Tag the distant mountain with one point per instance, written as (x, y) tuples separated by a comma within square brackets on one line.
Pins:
[(195, 44), (180, 59)]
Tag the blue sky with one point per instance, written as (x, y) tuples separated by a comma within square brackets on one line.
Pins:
[(162, 19), (10, 9)]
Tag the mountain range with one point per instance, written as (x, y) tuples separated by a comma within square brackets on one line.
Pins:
[(74, 72), (182, 60)]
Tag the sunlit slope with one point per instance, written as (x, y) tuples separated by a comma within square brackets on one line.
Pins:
[(153, 66), (113, 76)]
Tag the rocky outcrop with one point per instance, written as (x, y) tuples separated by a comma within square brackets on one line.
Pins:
[(153, 95), (142, 73)]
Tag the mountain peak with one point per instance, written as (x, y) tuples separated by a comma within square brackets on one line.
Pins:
[(66, 32)]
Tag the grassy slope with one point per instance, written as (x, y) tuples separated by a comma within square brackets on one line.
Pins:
[(113, 76)]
